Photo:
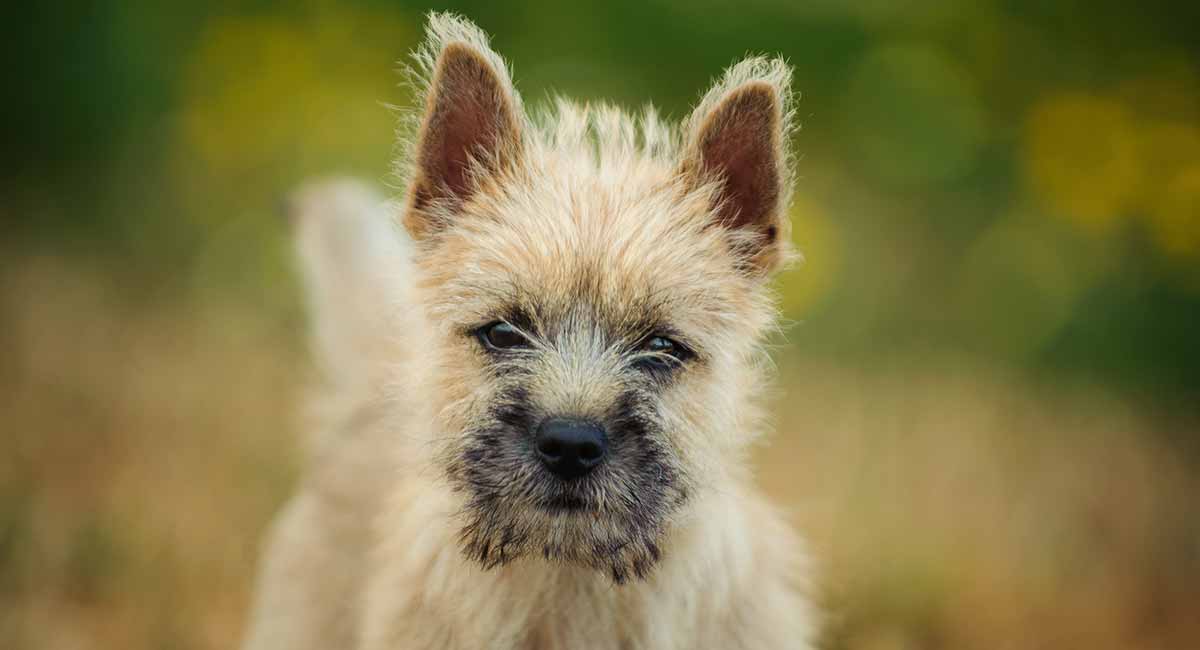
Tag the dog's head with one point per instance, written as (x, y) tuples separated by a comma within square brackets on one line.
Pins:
[(594, 286)]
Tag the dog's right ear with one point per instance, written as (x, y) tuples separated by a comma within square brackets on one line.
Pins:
[(736, 142), (471, 127)]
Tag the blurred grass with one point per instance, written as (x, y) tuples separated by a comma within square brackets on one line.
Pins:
[(145, 451)]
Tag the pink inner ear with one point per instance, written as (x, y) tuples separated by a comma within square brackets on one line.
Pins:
[(468, 131), (739, 146), (468, 114)]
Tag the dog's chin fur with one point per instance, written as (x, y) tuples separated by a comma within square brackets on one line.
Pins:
[(620, 546)]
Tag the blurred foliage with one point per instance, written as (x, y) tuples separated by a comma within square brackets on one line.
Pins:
[(1010, 184)]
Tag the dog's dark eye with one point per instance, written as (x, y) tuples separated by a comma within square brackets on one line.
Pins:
[(661, 353), (502, 336), (659, 344)]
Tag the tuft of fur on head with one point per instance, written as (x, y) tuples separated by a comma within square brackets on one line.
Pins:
[(590, 231)]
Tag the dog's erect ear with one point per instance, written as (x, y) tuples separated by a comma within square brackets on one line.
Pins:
[(471, 126), (737, 139)]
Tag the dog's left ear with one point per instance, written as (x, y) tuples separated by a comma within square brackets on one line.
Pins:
[(471, 127), (736, 146)]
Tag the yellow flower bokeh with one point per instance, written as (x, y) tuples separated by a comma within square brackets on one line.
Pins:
[(270, 93), (1170, 198), (1081, 159), (1095, 160), (1175, 216), (816, 237)]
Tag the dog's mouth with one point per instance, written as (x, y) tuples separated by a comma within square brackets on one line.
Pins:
[(611, 519), (580, 523), (564, 503)]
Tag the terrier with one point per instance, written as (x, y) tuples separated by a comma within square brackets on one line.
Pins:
[(539, 398)]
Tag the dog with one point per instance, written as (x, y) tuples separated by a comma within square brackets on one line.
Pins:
[(538, 396)]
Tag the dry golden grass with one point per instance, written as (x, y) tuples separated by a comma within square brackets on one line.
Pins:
[(949, 505), (955, 507)]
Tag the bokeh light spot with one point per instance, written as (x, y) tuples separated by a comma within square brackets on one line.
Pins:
[(266, 97), (817, 239), (1081, 159), (1020, 282), (1175, 217)]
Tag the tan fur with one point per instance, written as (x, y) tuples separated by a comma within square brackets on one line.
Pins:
[(413, 527)]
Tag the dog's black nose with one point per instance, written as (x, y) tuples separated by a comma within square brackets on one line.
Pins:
[(570, 448)]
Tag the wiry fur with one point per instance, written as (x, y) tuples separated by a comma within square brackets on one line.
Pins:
[(425, 520)]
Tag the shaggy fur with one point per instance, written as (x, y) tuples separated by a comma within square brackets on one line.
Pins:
[(425, 519)]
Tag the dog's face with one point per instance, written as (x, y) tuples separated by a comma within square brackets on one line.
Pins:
[(596, 301)]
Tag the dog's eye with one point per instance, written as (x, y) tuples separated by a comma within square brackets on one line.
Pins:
[(659, 344), (661, 353), (502, 336)]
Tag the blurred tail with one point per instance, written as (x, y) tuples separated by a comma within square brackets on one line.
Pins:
[(354, 263)]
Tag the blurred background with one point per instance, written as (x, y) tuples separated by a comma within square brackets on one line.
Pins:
[(988, 420)]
